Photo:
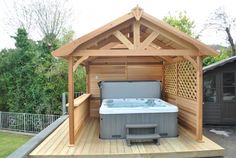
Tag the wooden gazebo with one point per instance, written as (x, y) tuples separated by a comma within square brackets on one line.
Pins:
[(137, 46)]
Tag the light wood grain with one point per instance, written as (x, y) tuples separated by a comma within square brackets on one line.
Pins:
[(88, 144), (71, 101), (172, 36), (199, 99), (139, 52), (119, 72), (123, 39)]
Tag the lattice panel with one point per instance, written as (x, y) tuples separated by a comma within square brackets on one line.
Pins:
[(187, 80), (171, 79)]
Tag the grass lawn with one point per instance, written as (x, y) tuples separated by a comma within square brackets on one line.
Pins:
[(10, 142)]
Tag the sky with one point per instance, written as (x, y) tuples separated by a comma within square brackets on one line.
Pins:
[(91, 14)]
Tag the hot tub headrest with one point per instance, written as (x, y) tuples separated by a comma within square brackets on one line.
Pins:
[(129, 89)]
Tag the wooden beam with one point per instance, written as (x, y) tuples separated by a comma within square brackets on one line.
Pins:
[(169, 43), (161, 24), (148, 40), (159, 52), (199, 99), (157, 42), (192, 61), (136, 31), (167, 59), (119, 46), (152, 45), (87, 78), (158, 58), (91, 59), (69, 48), (78, 62), (100, 43), (168, 35), (71, 101), (177, 59), (109, 45), (123, 39), (106, 36)]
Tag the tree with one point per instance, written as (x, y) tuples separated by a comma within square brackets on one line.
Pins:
[(31, 79), (212, 59), (42, 17), (181, 22), (51, 16), (221, 21), (22, 40)]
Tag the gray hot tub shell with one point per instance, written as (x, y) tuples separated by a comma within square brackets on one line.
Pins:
[(112, 126)]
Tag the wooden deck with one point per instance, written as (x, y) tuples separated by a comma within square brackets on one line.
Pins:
[(88, 144)]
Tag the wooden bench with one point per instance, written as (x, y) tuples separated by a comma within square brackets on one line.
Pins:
[(141, 137)]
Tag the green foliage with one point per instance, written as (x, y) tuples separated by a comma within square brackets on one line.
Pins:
[(224, 54), (181, 22), (22, 40), (31, 79), (185, 24)]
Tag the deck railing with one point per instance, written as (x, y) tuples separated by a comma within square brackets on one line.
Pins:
[(25, 122), (65, 100), (79, 115)]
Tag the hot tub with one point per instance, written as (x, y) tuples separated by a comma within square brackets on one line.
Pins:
[(116, 113)]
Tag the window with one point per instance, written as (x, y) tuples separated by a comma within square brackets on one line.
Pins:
[(229, 86), (209, 88)]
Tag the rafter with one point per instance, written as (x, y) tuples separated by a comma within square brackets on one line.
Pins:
[(78, 62), (110, 45), (119, 46), (156, 46), (167, 35), (123, 39), (148, 40), (157, 42), (159, 52), (169, 43)]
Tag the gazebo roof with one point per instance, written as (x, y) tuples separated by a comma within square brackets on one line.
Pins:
[(161, 36)]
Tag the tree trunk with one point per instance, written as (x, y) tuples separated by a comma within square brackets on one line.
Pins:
[(231, 41)]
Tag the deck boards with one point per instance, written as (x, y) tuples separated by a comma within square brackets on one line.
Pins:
[(88, 144)]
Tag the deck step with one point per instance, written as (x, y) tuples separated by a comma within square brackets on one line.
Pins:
[(139, 137), (142, 136), (141, 125)]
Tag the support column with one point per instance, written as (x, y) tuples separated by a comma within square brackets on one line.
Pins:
[(199, 99), (71, 101), (87, 78)]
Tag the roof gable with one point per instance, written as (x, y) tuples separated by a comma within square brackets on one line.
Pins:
[(161, 35)]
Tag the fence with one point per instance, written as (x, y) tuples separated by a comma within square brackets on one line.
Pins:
[(25, 122), (65, 100)]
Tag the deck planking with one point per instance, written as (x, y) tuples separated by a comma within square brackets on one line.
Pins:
[(88, 144)]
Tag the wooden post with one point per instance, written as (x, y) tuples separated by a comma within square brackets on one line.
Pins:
[(199, 99), (136, 30), (163, 81), (71, 101), (87, 77)]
